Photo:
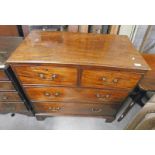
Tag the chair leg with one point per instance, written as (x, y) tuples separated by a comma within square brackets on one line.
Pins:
[(126, 111)]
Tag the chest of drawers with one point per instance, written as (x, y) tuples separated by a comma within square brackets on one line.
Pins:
[(66, 73), (10, 99)]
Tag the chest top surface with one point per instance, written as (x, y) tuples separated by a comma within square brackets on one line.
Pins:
[(7, 45), (78, 49), (148, 82)]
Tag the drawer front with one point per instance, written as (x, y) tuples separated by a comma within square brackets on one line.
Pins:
[(109, 79), (74, 94), (6, 86), (75, 109), (9, 96), (3, 76), (6, 107), (48, 75)]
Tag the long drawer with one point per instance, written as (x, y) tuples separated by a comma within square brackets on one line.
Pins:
[(47, 75), (9, 96), (6, 107), (109, 79), (81, 95), (3, 76), (6, 86), (75, 109)]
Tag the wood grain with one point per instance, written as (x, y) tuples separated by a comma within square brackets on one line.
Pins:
[(109, 79), (79, 49), (9, 96), (8, 45), (9, 30), (37, 74), (94, 73), (10, 101), (6, 86), (148, 81), (74, 109), (77, 95), (13, 107), (3, 76)]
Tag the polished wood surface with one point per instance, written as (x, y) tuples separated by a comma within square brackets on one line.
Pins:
[(109, 79), (13, 107), (47, 74), (3, 76), (75, 95), (76, 109), (6, 86), (79, 49), (148, 82), (10, 101), (8, 45), (9, 30), (9, 96), (95, 72)]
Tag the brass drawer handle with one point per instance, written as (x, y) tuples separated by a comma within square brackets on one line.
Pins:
[(54, 109), (4, 98), (47, 94), (115, 80), (56, 94), (102, 96), (96, 109), (41, 75), (104, 79), (54, 76)]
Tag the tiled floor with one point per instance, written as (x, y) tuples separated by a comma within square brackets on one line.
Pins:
[(22, 122)]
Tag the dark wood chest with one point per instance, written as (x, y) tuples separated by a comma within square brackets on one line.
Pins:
[(66, 73), (10, 99)]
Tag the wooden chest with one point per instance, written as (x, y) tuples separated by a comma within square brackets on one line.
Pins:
[(10, 99), (66, 73)]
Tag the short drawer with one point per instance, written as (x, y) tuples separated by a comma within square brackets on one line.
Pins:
[(10, 107), (109, 79), (81, 95), (9, 96), (6, 86), (3, 76), (46, 75), (75, 109)]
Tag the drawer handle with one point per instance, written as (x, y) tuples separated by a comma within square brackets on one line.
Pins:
[(47, 94), (41, 75), (115, 80), (4, 98), (104, 79), (102, 96), (54, 109), (56, 94), (54, 76), (96, 110)]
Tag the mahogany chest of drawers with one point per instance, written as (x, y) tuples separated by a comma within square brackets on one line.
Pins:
[(10, 99), (65, 73)]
